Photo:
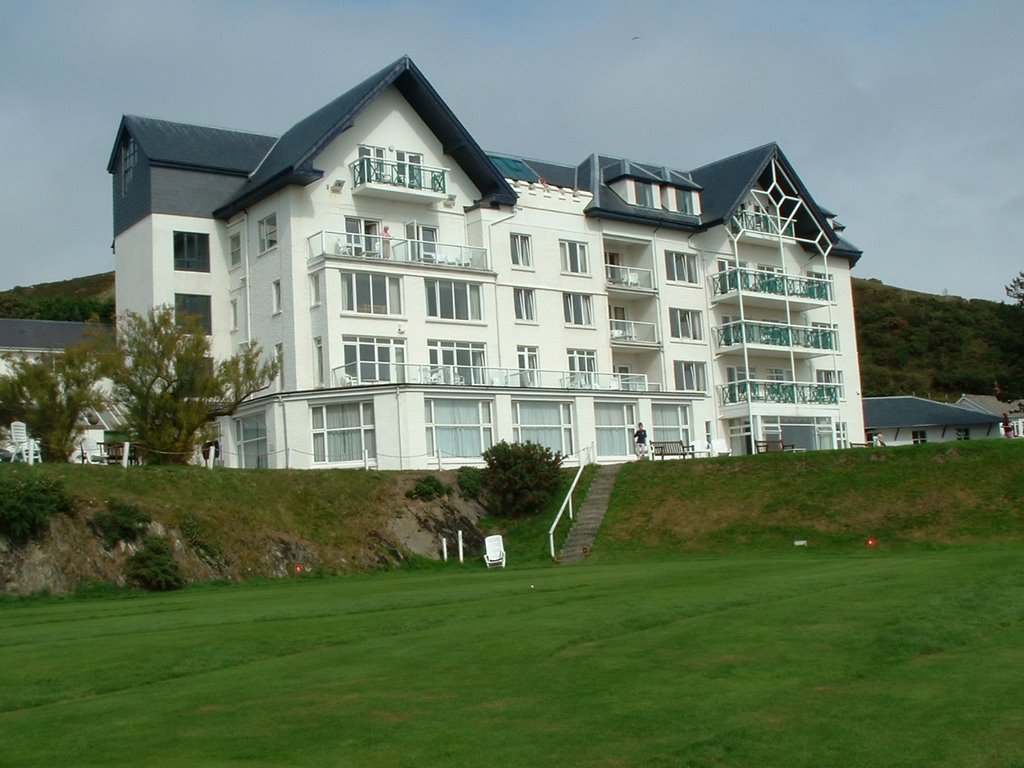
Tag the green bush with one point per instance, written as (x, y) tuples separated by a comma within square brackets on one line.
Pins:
[(470, 480), (122, 522), (154, 568), (520, 478), (428, 489), (27, 503)]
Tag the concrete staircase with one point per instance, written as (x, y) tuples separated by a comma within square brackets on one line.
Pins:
[(589, 516)]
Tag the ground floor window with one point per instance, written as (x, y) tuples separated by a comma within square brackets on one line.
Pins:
[(545, 423), (804, 433), (963, 433), (615, 424), (740, 437), (251, 441), (369, 359), (670, 422), (459, 428), (842, 435), (342, 432), (919, 436)]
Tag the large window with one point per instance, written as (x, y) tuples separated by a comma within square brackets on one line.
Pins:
[(681, 267), (574, 257), (453, 300), (267, 227), (457, 362), (459, 428), (194, 305), (343, 432), (686, 324), (615, 424), (191, 252), (371, 294), (578, 309), (522, 251), (690, 376), (251, 441), (523, 298), (545, 423), (670, 422), (371, 359)]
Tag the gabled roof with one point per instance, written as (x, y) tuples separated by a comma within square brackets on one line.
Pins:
[(196, 147), (882, 412), (990, 404), (291, 160), (42, 335)]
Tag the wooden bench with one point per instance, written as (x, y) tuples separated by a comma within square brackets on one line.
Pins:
[(772, 446), (665, 448)]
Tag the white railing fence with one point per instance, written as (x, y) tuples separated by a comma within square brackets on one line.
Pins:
[(586, 457)]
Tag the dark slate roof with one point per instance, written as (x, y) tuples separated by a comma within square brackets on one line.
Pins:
[(880, 412), (31, 335), (178, 145), (726, 182), (291, 161)]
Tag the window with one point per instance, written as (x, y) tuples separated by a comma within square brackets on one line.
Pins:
[(453, 300), (190, 305), (422, 242), (529, 362), (670, 422), (615, 424), (686, 324), (314, 290), (279, 356), (544, 423), (690, 376), (458, 428), (963, 433), (362, 237), (574, 257), (191, 252), (235, 247), (582, 367), (577, 308), (234, 314), (826, 376), (523, 298), (457, 362), (684, 201), (370, 359), (919, 436), (842, 435), (408, 169), (251, 441), (268, 232), (275, 296), (681, 267), (644, 192), (522, 252), (343, 432), (371, 294), (318, 360), (129, 159), (778, 374)]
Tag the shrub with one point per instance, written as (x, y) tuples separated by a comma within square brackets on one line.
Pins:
[(427, 489), (27, 503), (470, 480), (519, 478), (122, 522), (154, 568)]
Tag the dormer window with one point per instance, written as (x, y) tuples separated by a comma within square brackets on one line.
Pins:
[(644, 193), (684, 201), (129, 158)]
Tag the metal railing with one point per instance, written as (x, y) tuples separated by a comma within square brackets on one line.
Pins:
[(773, 283), (353, 246), (363, 373), (775, 334), (630, 330), (586, 456), (765, 391), (375, 170), (761, 223), (629, 277)]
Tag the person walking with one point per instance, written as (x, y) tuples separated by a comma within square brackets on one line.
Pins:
[(640, 439)]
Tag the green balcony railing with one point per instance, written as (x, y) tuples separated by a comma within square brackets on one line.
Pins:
[(775, 335), (764, 391), (770, 283), (373, 170)]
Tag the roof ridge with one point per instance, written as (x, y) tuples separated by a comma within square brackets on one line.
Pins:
[(201, 125)]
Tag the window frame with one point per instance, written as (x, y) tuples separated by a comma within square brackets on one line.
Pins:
[(574, 253), (584, 307), (352, 301), (191, 251), (525, 304), (320, 432), (681, 319), (437, 290), (268, 233), (690, 372), (184, 305), (521, 250), (672, 267)]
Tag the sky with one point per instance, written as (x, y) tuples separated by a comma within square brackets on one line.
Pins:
[(904, 118)]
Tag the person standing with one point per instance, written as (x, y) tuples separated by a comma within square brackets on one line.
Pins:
[(1007, 426), (640, 439)]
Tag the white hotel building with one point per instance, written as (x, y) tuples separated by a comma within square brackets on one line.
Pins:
[(428, 299)]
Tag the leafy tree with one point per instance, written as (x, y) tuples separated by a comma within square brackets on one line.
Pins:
[(1015, 290), (50, 394), (169, 386), (519, 478)]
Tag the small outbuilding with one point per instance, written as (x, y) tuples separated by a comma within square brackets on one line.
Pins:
[(904, 420)]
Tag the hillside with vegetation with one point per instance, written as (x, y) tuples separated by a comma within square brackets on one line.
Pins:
[(81, 299)]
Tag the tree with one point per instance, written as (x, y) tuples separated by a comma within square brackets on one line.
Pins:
[(169, 386), (519, 478), (1015, 290), (51, 393)]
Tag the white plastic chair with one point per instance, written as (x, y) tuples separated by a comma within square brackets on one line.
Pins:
[(700, 448), (719, 447), (23, 445), (495, 551)]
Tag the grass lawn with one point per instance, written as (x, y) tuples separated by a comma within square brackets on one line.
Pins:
[(794, 658)]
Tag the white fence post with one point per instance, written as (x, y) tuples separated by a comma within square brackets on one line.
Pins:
[(460, 545), (444, 548)]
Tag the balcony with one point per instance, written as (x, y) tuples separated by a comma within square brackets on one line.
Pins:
[(802, 340), (628, 278), (770, 289), (362, 374), (791, 392), (374, 247), (390, 179), (761, 225), (630, 332)]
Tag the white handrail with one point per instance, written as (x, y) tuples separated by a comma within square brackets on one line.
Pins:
[(588, 452)]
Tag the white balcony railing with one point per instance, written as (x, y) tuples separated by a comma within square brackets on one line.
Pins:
[(352, 246), (359, 374), (633, 331), (629, 277)]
